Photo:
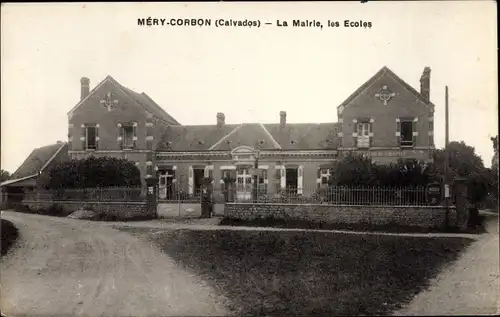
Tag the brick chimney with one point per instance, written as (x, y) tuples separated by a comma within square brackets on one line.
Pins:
[(282, 118), (425, 83), (221, 119), (85, 87)]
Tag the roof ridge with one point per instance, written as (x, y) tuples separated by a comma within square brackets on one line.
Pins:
[(276, 144), (370, 81), (225, 137)]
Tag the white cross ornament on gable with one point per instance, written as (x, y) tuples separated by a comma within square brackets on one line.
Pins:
[(108, 102), (385, 95)]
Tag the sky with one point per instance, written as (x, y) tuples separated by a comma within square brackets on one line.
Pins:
[(249, 74)]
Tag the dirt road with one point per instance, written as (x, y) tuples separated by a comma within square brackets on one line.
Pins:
[(69, 267), (469, 286)]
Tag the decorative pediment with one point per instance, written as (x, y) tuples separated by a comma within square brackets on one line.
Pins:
[(243, 153)]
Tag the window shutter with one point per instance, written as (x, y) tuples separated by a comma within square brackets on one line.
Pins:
[(84, 137), (134, 134), (355, 134), (97, 137), (414, 132), (300, 179), (398, 131), (370, 133), (119, 137), (283, 177), (190, 181)]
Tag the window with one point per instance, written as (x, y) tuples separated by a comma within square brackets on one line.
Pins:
[(325, 176), (406, 133), (90, 137), (128, 137), (364, 135)]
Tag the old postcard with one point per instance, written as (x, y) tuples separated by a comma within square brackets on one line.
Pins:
[(264, 159)]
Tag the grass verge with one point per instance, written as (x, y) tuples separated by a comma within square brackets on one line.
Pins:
[(302, 224), (9, 235), (310, 273)]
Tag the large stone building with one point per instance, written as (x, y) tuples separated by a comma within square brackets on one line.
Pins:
[(385, 118)]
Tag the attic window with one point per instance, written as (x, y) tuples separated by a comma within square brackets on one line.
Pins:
[(261, 142), (228, 142), (200, 142), (292, 142)]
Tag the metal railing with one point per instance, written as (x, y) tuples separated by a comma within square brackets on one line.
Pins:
[(341, 195)]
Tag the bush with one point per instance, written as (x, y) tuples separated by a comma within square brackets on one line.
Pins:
[(358, 170), (92, 173), (9, 235)]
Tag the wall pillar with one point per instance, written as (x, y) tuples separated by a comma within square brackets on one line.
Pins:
[(151, 201), (461, 203)]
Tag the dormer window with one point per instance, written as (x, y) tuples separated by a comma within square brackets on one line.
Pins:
[(292, 142)]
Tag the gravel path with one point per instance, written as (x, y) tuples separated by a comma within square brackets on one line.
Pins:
[(69, 267), (470, 286)]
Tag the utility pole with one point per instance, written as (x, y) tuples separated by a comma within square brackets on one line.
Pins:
[(446, 162)]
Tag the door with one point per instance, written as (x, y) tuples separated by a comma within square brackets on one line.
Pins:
[(165, 185), (291, 180), (243, 184)]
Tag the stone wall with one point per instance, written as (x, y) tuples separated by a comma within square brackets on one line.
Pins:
[(120, 210), (183, 210), (412, 216)]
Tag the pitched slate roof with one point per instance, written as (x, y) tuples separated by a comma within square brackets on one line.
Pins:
[(38, 159), (292, 136), (193, 137), (305, 136), (382, 71), (141, 98), (150, 105)]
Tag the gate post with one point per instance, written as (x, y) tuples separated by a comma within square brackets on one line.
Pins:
[(151, 199), (206, 198)]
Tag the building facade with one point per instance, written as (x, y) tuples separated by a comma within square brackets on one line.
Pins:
[(385, 119)]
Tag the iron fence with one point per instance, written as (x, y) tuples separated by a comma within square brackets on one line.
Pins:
[(341, 195)]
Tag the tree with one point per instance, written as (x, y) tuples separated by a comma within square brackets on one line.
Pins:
[(91, 173), (464, 162), (4, 175), (354, 170), (358, 170), (494, 160)]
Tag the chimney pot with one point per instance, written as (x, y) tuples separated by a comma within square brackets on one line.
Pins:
[(425, 85), (85, 87), (282, 118), (221, 119)]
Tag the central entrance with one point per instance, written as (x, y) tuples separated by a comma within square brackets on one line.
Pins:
[(166, 184), (243, 183)]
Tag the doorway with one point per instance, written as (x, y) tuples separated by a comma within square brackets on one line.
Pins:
[(243, 183), (198, 175), (291, 179), (166, 184)]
